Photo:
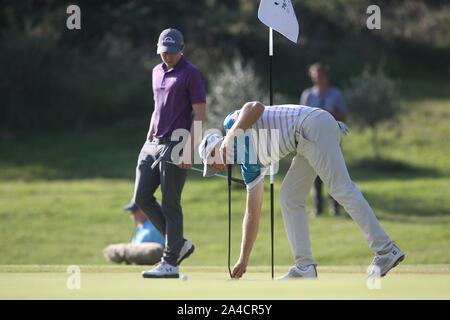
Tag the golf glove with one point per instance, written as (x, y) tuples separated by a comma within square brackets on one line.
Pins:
[(343, 127)]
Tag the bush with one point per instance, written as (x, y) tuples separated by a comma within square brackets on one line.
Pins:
[(233, 86), (371, 100)]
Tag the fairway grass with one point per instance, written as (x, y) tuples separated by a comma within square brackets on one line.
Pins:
[(212, 283), (61, 204)]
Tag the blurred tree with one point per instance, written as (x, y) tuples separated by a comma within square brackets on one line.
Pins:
[(55, 78), (235, 84), (371, 100), (230, 88)]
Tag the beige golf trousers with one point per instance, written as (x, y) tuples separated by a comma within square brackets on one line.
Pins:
[(319, 153)]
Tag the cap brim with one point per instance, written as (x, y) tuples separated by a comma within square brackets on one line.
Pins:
[(131, 207), (208, 171), (169, 49)]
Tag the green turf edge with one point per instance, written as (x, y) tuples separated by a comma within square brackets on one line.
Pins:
[(423, 268)]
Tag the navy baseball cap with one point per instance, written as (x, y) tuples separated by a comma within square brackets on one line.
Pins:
[(131, 207), (170, 40)]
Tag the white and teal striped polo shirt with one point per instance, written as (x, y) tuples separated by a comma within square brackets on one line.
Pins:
[(274, 132), (272, 137)]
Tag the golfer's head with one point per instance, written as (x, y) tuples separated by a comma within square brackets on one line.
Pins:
[(170, 46), (209, 153)]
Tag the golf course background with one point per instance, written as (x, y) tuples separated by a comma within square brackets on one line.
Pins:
[(74, 115), (61, 196)]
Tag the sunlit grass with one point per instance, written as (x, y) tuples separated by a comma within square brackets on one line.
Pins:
[(61, 197), (106, 282)]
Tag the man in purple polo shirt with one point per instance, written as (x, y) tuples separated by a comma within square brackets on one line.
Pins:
[(180, 99)]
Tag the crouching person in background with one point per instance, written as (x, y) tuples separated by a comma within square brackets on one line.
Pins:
[(146, 246)]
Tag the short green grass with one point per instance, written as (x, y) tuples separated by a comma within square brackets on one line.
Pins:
[(212, 283), (61, 197)]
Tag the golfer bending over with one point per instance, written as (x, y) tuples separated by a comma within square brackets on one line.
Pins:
[(314, 134)]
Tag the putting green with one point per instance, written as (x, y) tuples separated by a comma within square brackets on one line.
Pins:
[(125, 282)]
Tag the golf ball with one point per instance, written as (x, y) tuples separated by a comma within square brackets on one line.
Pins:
[(184, 277)]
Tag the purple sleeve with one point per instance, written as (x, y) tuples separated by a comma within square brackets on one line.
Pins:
[(196, 87)]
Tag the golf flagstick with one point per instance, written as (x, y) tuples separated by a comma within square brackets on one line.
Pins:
[(271, 166), (271, 215), (281, 17), (229, 217)]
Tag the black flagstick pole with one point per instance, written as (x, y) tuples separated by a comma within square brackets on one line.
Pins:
[(271, 166), (229, 217)]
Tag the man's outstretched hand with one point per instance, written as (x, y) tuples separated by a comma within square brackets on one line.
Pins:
[(239, 269)]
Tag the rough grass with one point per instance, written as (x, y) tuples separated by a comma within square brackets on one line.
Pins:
[(61, 197)]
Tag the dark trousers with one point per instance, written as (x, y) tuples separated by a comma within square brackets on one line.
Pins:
[(167, 216), (317, 199)]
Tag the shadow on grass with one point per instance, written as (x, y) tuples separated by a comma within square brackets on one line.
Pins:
[(382, 168), (376, 169), (109, 152), (365, 169), (406, 207)]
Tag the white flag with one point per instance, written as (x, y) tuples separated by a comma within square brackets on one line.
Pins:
[(280, 16)]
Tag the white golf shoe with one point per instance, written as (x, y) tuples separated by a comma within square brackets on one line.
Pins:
[(162, 270), (300, 272), (186, 251), (382, 263)]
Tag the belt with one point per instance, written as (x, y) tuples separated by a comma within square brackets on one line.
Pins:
[(162, 140)]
